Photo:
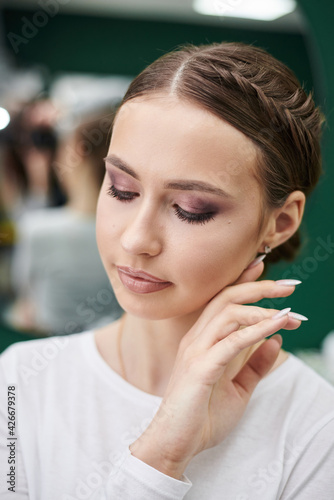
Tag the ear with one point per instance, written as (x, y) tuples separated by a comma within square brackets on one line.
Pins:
[(284, 221)]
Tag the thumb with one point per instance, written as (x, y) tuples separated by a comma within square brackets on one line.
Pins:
[(258, 365), (250, 273)]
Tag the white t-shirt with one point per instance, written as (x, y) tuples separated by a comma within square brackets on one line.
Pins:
[(75, 418)]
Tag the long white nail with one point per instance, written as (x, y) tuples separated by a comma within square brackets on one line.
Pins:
[(288, 282), (281, 313), (297, 316), (257, 261)]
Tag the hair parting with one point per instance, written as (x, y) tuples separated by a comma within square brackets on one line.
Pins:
[(260, 96)]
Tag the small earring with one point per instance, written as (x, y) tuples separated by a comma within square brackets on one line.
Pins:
[(267, 249)]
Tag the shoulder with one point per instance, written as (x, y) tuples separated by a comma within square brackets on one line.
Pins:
[(37, 223), (52, 218), (313, 395), (305, 381), (297, 398), (22, 361), (298, 379), (40, 217)]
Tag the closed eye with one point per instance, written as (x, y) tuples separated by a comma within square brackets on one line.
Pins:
[(189, 217)]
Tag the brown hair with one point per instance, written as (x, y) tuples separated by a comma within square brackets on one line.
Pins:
[(258, 95), (92, 136)]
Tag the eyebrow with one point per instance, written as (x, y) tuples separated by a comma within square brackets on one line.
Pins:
[(177, 184)]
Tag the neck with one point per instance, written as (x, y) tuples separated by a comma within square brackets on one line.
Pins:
[(149, 350), (82, 190)]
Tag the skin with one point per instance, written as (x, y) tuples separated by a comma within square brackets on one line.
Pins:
[(163, 138), (82, 190)]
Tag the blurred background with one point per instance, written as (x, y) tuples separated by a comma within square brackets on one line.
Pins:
[(65, 65)]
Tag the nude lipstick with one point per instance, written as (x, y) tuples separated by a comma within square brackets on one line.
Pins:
[(138, 281)]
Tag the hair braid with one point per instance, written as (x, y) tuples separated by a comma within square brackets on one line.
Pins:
[(258, 95)]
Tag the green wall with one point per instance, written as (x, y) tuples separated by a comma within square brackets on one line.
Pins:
[(125, 46), (315, 296)]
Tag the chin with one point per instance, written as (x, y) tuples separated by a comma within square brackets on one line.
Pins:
[(157, 308), (151, 310), (171, 302)]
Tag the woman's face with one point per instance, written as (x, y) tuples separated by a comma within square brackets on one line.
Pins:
[(186, 234)]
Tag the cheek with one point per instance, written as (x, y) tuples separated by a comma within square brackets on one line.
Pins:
[(106, 226), (205, 263), (209, 261)]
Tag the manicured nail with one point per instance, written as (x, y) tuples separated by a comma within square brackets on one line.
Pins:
[(282, 313), (257, 261), (297, 316), (288, 282)]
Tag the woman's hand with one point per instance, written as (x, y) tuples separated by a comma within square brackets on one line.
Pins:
[(203, 402)]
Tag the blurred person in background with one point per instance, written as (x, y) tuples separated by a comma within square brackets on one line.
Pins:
[(60, 283), (27, 181), (29, 145)]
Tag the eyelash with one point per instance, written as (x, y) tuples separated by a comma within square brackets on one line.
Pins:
[(188, 217)]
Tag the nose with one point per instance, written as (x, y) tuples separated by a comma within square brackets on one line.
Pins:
[(141, 234)]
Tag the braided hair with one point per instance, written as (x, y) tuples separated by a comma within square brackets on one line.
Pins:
[(258, 95)]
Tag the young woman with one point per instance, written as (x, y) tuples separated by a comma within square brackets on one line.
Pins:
[(213, 151)]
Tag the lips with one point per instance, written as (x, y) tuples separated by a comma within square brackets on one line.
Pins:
[(137, 273), (141, 282)]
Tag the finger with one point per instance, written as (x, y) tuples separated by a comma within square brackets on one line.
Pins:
[(228, 348), (246, 276), (254, 291), (251, 274), (231, 319), (244, 293), (292, 324), (258, 365)]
